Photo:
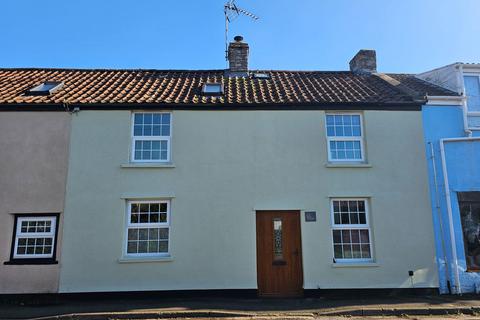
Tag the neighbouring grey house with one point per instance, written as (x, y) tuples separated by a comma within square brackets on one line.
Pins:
[(280, 181)]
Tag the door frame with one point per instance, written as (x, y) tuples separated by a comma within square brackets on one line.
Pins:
[(291, 211)]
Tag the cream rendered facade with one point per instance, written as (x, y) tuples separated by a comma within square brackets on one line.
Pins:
[(34, 154), (225, 165)]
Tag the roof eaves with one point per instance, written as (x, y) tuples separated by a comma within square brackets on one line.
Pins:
[(391, 105)]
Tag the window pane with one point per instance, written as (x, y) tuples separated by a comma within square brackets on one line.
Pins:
[(356, 252), (163, 246), (364, 238), (472, 90), (277, 239), (132, 234), (338, 251), (143, 234), (349, 212), (147, 118), (142, 246), (156, 130), (166, 118), (343, 126), (355, 236), (132, 247), (366, 254), (151, 150), (163, 233), (151, 124), (345, 150), (337, 237), (153, 246), (351, 244), (165, 130), (157, 118), (34, 246), (139, 118), (347, 251)]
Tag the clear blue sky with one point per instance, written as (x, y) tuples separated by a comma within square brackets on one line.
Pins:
[(409, 35)]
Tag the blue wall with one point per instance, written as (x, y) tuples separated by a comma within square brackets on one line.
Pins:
[(463, 169)]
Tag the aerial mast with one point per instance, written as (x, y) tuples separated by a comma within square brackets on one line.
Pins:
[(231, 12)]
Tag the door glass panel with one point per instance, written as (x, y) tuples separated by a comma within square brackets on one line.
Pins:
[(277, 239)]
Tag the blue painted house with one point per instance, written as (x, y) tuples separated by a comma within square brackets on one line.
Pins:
[(452, 140)]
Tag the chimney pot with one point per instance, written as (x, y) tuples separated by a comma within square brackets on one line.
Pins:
[(238, 56), (365, 61)]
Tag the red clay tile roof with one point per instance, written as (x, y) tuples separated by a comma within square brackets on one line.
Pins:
[(177, 88)]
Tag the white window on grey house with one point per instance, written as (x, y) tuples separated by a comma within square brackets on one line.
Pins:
[(344, 137), (351, 230), (148, 228), (151, 137), (34, 237)]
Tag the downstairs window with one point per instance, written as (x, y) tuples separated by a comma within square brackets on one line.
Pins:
[(469, 203), (351, 231), (34, 239)]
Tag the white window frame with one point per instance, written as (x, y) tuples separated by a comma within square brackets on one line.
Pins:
[(335, 138), (129, 225), (470, 113), (150, 138), (335, 226), (19, 234)]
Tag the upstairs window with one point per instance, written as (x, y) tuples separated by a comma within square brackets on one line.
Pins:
[(45, 88), (212, 89), (344, 137), (151, 137), (472, 91)]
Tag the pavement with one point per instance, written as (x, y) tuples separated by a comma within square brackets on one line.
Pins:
[(93, 307)]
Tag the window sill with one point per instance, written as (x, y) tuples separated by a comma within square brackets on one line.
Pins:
[(355, 265), (31, 261), (148, 165), (145, 259), (348, 165)]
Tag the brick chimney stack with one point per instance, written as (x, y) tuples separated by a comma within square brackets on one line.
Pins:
[(365, 61), (238, 55)]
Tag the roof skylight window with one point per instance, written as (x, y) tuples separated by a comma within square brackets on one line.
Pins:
[(44, 89), (261, 75), (212, 89)]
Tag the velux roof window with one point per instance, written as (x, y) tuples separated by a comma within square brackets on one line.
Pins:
[(44, 89), (260, 75), (212, 89)]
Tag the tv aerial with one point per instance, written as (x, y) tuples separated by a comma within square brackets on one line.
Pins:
[(232, 11)]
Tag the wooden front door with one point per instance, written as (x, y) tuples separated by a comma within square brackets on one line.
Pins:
[(279, 254)]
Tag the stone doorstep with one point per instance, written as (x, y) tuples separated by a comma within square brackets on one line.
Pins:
[(371, 312)]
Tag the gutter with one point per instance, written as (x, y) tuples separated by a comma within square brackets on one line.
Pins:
[(458, 287), (387, 106), (446, 100)]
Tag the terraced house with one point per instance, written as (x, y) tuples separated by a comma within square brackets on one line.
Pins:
[(276, 181), (452, 136)]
